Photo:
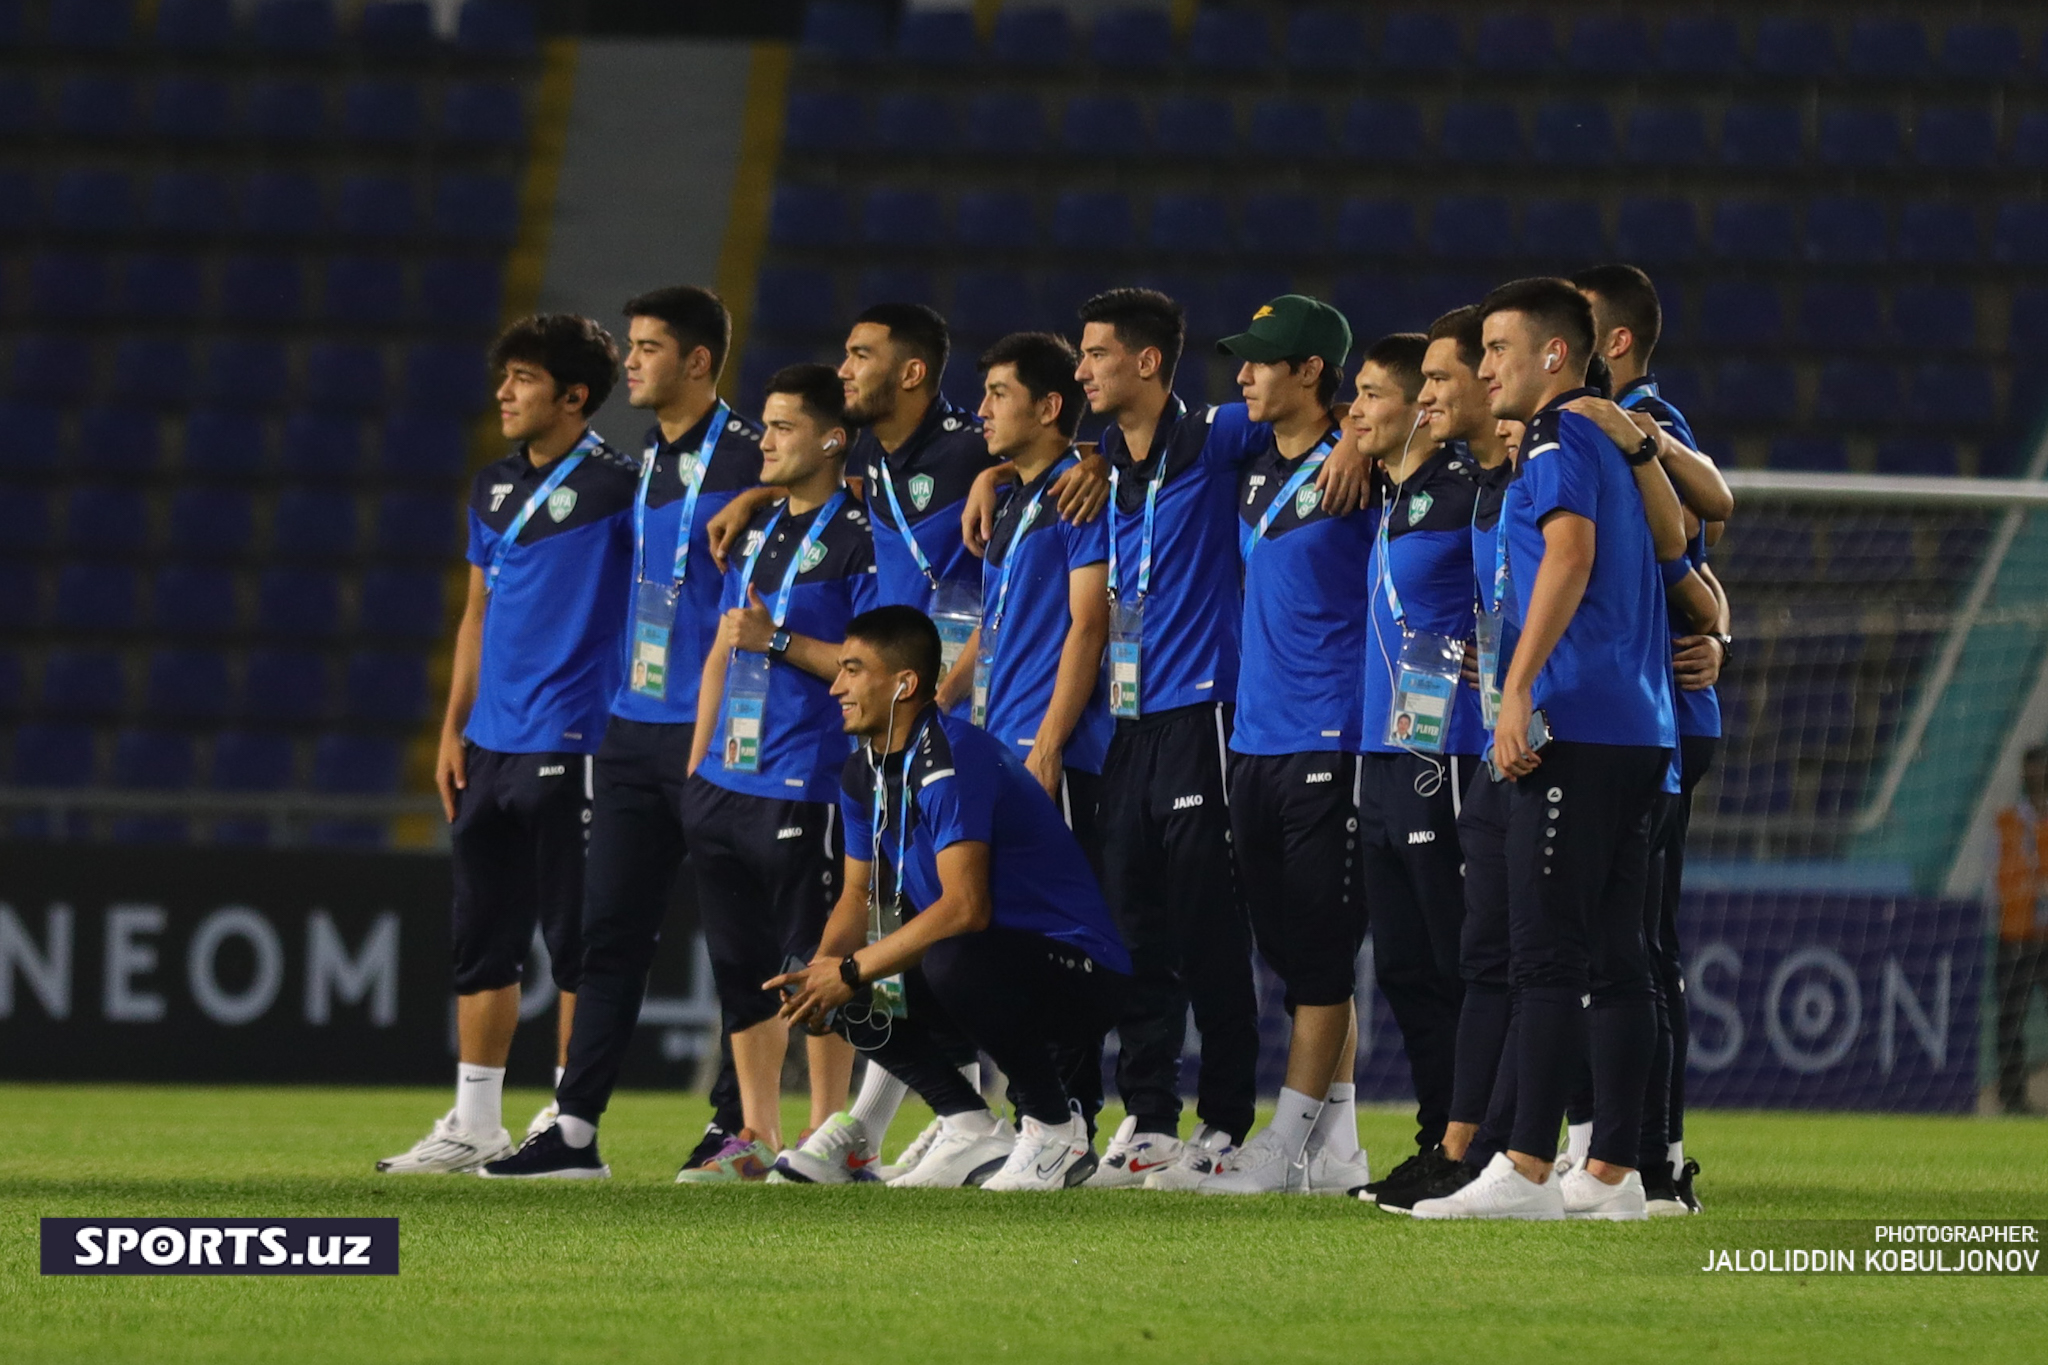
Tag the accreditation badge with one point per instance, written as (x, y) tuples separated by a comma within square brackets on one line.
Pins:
[(1126, 652), (654, 619), (746, 710), (956, 611), (1489, 632), (1424, 685), (984, 674)]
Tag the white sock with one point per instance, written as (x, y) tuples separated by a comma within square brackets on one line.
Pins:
[(576, 1132), (1337, 1125), (1294, 1118), (479, 1098), (875, 1108), (558, 1076), (1578, 1142), (1675, 1154), (979, 1122)]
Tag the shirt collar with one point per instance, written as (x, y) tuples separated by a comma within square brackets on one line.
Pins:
[(1119, 453), (924, 433), (688, 441), (1641, 381), (1567, 396)]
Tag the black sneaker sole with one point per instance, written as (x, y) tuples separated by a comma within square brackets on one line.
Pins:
[(559, 1173)]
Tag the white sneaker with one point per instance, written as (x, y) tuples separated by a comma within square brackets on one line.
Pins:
[(1501, 1191), (1338, 1175), (1588, 1196), (836, 1153), (969, 1149), (1261, 1166), (448, 1150), (1047, 1156), (544, 1120), (907, 1160), (1563, 1166), (1201, 1156), (1132, 1156)]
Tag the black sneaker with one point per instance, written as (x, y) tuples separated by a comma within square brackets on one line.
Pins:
[(1401, 1174), (1660, 1191), (545, 1156), (1683, 1184), (710, 1145), (1439, 1178)]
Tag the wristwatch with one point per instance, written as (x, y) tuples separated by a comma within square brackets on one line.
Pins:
[(849, 972), (1645, 452), (778, 643), (1727, 648)]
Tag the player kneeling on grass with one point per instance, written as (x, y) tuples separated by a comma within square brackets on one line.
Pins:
[(967, 906)]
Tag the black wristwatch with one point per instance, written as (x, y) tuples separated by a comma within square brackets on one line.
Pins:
[(849, 972), (1645, 452), (1727, 648), (778, 643)]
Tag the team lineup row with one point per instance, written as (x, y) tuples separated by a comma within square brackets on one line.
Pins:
[(980, 742)]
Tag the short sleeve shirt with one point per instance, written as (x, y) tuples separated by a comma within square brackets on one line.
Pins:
[(931, 472)]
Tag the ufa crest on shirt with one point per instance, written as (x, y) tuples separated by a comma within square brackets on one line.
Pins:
[(1307, 500), (921, 488), (814, 555), (561, 503), (1418, 507)]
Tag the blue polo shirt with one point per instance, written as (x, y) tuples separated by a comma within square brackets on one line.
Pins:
[(1699, 713), (1486, 533), (552, 654), (1189, 650), (1036, 616), (1608, 681), (932, 472), (735, 466), (1427, 554), (1305, 588), (967, 786), (803, 738)]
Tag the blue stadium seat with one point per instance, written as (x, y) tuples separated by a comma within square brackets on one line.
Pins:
[(1382, 130), (355, 764), (484, 114), (1477, 227), (195, 26), (24, 518), (245, 373), (106, 519), (344, 376), (187, 203), (1375, 227), (1132, 39), (1937, 232), (396, 28), (1762, 136), (153, 760), (1566, 231), (68, 286), (936, 37), (52, 368), (497, 28), (21, 596), (1842, 317), (1845, 231), (162, 288), (2029, 322), (54, 756), (153, 370), (1237, 296), (380, 207), (1794, 46), (914, 121), (1327, 38), (1858, 393), (1683, 386), (282, 204), (386, 687), (191, 109), (423, 447), (94, 201), (223, 444), (1574, 133), (1755, 231), (844, 30), (1809, 452), (1859, 139), (476, 205), (119, 440), (2020, 236), (288, 686), (1284, 224), (1294, 128), (298, 28), (95, 597), (323, 446), (313, 523), (462, 290), (991, 303), (210, 522), (1981, 52), (807, 216), (902, 218), (822, 121), (1227, 39), (96, 106), (1751, 391), (17, 105), (1915, 455), (84, 684), (415, 526), (366, 289), (1024, 36), (1092, 220), (1006, 123), (1886, 49), (12, 691), (444, 377), (1951, 394), (381, 111), (287, 111), (1514, 41), (297, 603), (402, 602), (1656, 230), (1194, 127), (252, 762), (795, 300), (1481, 133), (1103, 125), (996, 220), (1194, 223), (2030, 140), (1421, 40), (89, 25), (195, 601), (1609, 45), (1955, 137), (262, 289)]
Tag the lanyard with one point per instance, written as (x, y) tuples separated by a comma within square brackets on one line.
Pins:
[(564, 467), (1145, 545), (1009, 563), (1641, 391), (881, 807), (780, 608), (692, 486), (924, 565), (1249, 540)]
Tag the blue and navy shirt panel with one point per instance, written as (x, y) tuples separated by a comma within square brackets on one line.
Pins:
[(933, 471), (1699, 712)]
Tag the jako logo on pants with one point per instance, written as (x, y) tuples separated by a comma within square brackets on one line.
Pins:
[(1186, 802), (1421, 836)]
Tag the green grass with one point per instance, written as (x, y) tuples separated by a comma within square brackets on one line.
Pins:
[(637, 1269)]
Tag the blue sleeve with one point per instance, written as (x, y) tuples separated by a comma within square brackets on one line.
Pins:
[(1674, 571), (1566, 478), (1230, 436), (1087, 543), (732, 592), (479, 552), (958, 809), (853, 819)]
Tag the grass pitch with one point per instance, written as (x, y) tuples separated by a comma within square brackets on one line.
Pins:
[(636, 1269)]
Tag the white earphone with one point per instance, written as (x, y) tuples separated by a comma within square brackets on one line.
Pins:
[(1550, 362), (899, 691), (832, 443)]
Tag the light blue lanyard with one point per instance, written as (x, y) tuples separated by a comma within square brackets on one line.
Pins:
[(881, 809), (1145, 544), (924, 565), (564, 467), (1641, 391), (1017, 540), (1248, 540), (780, 608), (1386, 560), (692, 486)]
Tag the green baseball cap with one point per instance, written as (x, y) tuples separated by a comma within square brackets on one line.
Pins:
[(1292, 327)]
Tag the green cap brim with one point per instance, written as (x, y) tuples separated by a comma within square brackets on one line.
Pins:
[(1250, 346)]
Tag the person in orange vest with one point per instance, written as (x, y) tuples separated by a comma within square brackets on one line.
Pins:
[(2022, 923)]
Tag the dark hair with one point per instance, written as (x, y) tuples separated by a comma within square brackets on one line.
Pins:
[(1141, 318), (1400, 355), (694, 314), (1599, 378), (1633, 298), (573, 350), (1045, 364), (1555, 305), (2037, 754), (917, 329), (905, 638), (817, 388), (1461, 325)]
